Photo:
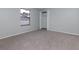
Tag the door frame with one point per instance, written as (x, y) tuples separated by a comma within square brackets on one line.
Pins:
[(40, 17)]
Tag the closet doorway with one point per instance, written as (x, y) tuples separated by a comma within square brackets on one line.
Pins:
[(43, 20)]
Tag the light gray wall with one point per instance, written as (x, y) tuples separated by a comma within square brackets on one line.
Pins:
[(63, 20), (10, 22)]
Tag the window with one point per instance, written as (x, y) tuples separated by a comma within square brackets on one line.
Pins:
[(25, 17)]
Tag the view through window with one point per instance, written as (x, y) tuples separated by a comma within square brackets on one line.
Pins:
[(25, 17)]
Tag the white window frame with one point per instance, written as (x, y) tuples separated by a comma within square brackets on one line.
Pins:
[(25, 18)]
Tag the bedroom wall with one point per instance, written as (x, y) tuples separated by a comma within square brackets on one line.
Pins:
[(10, 22), (64, 20)]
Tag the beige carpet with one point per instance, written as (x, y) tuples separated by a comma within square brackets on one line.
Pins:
[(41, 40)]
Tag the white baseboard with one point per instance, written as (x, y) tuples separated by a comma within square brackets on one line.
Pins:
[(34, 30), (15, 34), (70, 33), (65, 32)]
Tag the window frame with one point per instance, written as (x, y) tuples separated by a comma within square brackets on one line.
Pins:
[(28, 17)]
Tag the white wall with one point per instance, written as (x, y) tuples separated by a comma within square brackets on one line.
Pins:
[(10, 22), (64, 20), (61, 20)]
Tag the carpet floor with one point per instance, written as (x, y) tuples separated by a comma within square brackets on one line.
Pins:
[(41, 40)]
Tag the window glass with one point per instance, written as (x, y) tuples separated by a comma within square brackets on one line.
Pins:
[(25, 17)]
